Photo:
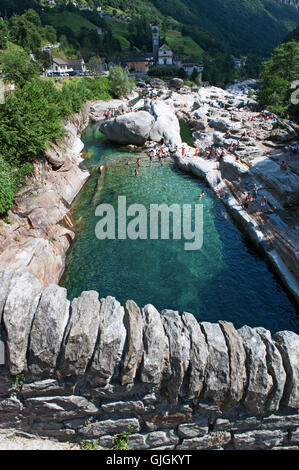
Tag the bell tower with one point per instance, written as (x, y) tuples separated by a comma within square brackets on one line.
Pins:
[(155, 34)]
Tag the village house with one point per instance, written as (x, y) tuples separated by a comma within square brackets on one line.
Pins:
[(59, 66), (139, 64), (189, 66), (77, 65)]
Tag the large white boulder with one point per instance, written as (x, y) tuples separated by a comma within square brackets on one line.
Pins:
[(133, 128), (166, 124)]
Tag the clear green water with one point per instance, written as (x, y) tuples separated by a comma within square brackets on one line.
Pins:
[(225, 280)]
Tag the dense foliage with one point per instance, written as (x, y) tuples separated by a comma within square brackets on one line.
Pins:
[(279, 74), (32, 117), (121, 85), (238, 26)]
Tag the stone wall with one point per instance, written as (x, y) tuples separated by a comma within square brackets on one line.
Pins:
[(91, 368)]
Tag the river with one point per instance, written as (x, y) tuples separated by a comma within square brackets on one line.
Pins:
[(227, 279)]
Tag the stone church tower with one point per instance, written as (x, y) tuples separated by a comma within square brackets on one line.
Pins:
[(155, 33)]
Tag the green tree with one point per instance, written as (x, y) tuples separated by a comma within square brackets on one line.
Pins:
[(278, 74), (33, 17), (50, 34), (19, 68), (120, 82), (3, 34), (25, 33), (6, 191)]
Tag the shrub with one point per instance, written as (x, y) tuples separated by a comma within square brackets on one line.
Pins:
[(6, 192), (120, 83)]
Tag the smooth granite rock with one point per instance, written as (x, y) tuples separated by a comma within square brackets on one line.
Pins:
[(6, 281), (47, 330), (237, 357), (173, 381), (133, 128), (217, 373), (259, 381), (276, 369), (81, 335), (287, 343), (111, 340), (19, 310), (198, 355), (133, 350), (156, 350)]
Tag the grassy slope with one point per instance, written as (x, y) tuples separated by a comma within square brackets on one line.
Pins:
[(184, 45), (74, 21)]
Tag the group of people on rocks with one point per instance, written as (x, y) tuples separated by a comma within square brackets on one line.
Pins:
[(113, 113), (252, 197), (160, 151)]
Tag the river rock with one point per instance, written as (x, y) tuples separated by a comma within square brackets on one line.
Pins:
[(282, 135), (131, 128), (133, 350), (6, 280), (217, 373), (19, 310), (60, 407), (222, 125), (111, 340), (287, 343), (55, 156), (47, 330), (237, 357), (174, 376), (176, 83), (276, 369), (166, 124), (198, 355), (259, 381), (285, 185), (81, 335), (156, 351)]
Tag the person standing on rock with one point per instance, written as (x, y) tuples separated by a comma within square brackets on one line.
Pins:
[(263, 203)]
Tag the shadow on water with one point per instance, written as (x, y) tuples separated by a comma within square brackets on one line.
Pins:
[(227, 279)]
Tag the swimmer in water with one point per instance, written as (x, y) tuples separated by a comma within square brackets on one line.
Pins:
[(202, 195)]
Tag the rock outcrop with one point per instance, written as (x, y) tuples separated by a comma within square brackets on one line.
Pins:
[(156, 122), (132, 128)]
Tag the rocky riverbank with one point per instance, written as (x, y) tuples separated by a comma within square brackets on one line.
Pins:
[(250, 146), (92, 368), (254, 148), (37, 233)]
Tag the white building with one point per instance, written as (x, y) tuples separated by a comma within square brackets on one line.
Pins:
[(59, 66), (165, 55), (190, 66)]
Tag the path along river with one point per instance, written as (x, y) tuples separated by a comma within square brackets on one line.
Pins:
[(227, 279)]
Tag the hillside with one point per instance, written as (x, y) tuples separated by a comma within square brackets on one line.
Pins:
[(241, 26)]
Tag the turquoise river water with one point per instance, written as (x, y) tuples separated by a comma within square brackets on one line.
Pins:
[(227, 279)]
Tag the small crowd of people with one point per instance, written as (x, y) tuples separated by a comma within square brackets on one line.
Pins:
[(159, 151), (252, 197), (113, 113)]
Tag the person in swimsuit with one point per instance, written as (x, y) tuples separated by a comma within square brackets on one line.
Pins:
[(263, 202)]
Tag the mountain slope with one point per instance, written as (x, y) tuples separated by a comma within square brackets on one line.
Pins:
[(245, 26), (241, 26)]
